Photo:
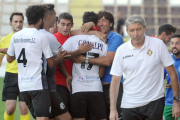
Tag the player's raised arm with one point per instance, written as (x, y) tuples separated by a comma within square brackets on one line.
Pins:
[(83, 48), (59, 58), (89, 29)]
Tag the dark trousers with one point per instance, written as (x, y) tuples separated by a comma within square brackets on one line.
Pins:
[(151, 111), (107, 99)]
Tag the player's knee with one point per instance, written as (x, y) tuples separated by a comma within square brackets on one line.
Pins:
[(23, 110), (10, 110), (65, 116), (69, 117)]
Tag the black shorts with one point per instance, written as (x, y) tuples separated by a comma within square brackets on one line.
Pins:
[(57, 105), (64, 93), (151, 111), (91, 103), (107, 99), (39, 102), (10, 88)]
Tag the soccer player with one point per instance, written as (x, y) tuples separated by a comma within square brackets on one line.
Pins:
[(10, 88), (87, 95), (106, 25), (65, 23), (54, 29), (63, 72), (142, 59), (58, 108), (165, 32), (29, 46), (175, 49)]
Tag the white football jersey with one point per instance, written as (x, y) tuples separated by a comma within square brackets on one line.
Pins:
[(86, 76), (29, 46), (54, 45)]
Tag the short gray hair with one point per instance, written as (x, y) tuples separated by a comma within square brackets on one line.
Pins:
[(135, 19)]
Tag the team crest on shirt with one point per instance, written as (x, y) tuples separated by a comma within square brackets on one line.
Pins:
[(62, 106), (149, 52)]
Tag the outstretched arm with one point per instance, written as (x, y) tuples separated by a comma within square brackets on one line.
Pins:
[(81, 49), (85, 29), (102, 61), (53, 61)]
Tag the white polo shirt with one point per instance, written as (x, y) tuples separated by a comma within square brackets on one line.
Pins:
[(144, 69)]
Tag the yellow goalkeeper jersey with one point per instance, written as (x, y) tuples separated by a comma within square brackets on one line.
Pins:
[(4, 43)]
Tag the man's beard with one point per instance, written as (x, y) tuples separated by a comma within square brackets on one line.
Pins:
[(177, 53)]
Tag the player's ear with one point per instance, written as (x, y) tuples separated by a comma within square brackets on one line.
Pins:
[(10, 23), (163, 34)]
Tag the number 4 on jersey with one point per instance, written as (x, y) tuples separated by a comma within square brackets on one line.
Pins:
[(23, 60)]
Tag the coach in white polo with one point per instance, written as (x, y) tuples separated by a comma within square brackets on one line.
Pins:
[(142, 59)]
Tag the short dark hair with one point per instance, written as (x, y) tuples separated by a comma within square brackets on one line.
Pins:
[(107, 15), (34, 13), (90, 17), (49, 8), (66, 16), (167, 28), (16, 13), (176, 36)]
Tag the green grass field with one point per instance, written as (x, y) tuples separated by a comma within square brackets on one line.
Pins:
[(2, 105)]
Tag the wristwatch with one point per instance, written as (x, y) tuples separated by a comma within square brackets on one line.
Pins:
[(87, 60), (176, 98)]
